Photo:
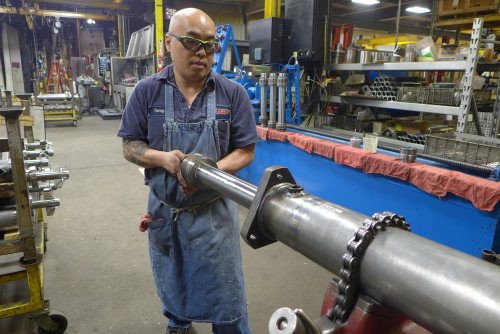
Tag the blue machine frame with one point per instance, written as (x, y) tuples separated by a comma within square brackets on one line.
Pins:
[(224, 34), (293, 74), (451, 220)]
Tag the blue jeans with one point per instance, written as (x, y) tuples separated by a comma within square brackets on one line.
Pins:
[(238, 327)]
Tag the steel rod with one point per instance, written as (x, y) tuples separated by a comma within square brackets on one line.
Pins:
[(438, 287), (194, 169), (282, 83), (273, 81), (263, 100)]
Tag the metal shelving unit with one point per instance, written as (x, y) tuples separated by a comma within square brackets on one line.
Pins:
[(418, 107), (404, 66), (468, 67)]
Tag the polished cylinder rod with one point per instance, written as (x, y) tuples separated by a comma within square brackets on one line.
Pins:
[(199, 171), (273, 81), (36, 163), (47, 176), (263, 100), (8, 219), (441, 289), (282, 84), (47, 203)]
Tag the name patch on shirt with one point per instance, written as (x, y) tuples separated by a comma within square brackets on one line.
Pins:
[(156, 112)]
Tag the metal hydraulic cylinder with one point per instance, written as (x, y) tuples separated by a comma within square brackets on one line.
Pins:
[(47, 176), (36, 163), (439, 288), (47, 203), (282, 83), (38, 154), (41, 145), (8, 220), (263, 100), (273, 81)]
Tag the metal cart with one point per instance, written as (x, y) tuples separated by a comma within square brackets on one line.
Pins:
[(26, 238), (59, 107)]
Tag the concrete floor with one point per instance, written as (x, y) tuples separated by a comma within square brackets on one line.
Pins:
[(97, 266)]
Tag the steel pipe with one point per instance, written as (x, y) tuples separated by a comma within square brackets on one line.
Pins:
[(441, 289)]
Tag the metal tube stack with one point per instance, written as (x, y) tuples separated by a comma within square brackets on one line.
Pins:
[(383, 88)]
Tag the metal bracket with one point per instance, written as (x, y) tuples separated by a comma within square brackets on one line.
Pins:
[(253, 230)]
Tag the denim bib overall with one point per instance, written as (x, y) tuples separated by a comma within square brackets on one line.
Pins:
[(194, 240)]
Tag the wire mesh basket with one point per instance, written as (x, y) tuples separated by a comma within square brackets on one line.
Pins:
[(336, 88), (464, 148), (412, 92), (482, 95), (449, 96), (346, 122), (333, 120)]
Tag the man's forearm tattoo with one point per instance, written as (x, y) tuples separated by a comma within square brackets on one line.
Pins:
[(134, 150)]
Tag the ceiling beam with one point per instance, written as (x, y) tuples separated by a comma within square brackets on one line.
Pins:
[(92, 4), (416, 18), (55, 13)]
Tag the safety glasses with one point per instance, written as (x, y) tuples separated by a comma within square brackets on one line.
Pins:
[(195, 44)]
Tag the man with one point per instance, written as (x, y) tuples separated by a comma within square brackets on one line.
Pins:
[(193, 234)]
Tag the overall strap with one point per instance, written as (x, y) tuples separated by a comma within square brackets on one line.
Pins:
[(169, 103), (211, 105)]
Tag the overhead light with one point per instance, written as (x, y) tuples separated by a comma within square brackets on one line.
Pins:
[(90, 21), (366, 2), (418, 10)]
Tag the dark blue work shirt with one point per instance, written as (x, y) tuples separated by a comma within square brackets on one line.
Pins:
[(144, 113)]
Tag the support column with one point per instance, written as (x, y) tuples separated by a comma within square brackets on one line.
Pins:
[(160, 34), (121, 45), (272, 8)]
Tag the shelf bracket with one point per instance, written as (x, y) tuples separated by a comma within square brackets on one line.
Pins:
[(469, 73)]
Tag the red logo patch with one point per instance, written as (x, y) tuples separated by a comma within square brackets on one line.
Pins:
[(222, 111)]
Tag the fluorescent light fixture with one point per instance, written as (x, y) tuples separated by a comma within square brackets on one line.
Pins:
[(418, 10), (90, 21), (366, 2)]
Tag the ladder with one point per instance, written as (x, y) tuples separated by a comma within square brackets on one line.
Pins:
[(54, 82)]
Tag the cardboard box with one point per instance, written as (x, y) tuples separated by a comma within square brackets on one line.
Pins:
[(410, 125), (454, 7)]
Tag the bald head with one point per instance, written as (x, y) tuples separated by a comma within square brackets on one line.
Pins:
[(186, 19), (189, 28)]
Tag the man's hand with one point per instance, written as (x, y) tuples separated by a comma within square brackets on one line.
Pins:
[(171, 161), (186, 188), (139, 153)]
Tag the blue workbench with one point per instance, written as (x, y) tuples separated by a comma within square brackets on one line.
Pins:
[(451, 220)]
